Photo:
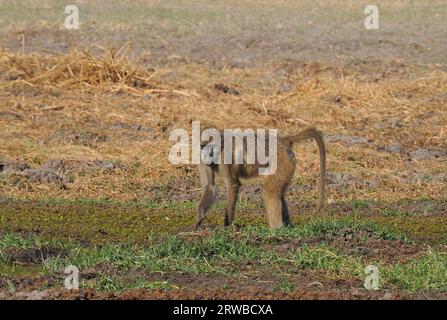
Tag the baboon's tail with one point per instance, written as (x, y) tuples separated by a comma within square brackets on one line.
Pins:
[(314, 133)]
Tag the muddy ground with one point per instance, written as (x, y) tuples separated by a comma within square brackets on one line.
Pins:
[(84, 175)]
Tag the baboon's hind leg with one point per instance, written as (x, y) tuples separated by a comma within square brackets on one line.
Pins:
[(273, 204)]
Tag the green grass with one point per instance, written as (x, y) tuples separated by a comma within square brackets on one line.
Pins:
[(393, 213), (218, 251), (113, 284), (172, 253), (12, 240), (221, 250), (325, 258), (324, 225), (285, 286), (427, 273), (103, 221), (358, 206)]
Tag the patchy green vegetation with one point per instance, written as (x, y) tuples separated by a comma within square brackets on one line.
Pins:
[(429, 272), (104, 221), (307, 247), (108, 284)]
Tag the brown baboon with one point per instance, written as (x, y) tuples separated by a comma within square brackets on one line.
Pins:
[(274, 186)]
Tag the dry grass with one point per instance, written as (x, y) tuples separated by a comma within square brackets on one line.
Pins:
[(111, 72), (77, 107)]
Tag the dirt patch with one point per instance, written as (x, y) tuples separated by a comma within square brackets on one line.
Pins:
[(246, 35), (135, 127), (7, 166), (346, 139), (426, 154), (70, 166), (10, 115), (308, 285), (362, 243), (391, 123), (391, 148), (339, 180), (422, 208), (137, 132), (418, 154), (44, 175), (76, 137), (53, 171), (226, 89), (25, 287), (32, 255), (416, 178)]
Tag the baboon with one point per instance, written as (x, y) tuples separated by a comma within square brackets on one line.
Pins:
[(274, 185)]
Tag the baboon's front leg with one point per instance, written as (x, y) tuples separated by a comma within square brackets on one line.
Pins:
[(209, 192), (232, 195)]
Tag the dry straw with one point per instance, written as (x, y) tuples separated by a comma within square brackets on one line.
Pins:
[(401, 104), (112, 71)]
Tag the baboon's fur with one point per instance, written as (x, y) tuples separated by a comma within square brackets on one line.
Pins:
[(274, 186)]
